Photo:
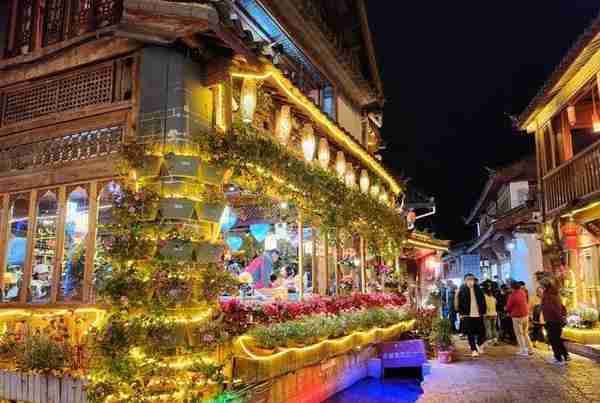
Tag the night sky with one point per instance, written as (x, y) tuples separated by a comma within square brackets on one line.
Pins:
[(451, 71)]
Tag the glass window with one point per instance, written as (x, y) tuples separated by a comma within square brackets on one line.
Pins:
[(329, 102), (106, 217), (76, 234), (16, 247), (44, 252), (591, 274)]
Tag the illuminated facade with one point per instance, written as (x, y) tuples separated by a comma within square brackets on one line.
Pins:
[(564, 118)]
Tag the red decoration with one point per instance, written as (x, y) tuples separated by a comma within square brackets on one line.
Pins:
[(569, 231)]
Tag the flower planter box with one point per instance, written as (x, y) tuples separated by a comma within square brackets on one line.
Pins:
[(150, 167), (181, 189), (181, 165), (177, 208), (212, 174), (37, 388), (176, 249), (208, 253), (210, 212)]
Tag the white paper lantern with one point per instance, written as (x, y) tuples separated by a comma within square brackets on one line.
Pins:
[(375, 190), (248, 99), (323, 153), (364, 181), (340, 164), (350, 177), (309, 142), (283, 127)]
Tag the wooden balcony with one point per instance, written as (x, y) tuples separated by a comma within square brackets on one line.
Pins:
[(575, 181)]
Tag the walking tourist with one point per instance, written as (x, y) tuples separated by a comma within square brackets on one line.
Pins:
[(453, 314), (537, 317), (491, 317), (518, 309), (555, 315), (472, 308)]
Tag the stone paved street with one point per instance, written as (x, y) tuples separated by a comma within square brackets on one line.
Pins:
[(497, 376)]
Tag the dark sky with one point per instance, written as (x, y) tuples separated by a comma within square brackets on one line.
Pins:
[(451, 70)]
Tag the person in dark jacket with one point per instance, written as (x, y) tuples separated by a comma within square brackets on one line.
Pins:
[(555, 316), (472, 308)]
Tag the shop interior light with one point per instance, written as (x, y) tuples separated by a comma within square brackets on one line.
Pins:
[(309, 142), (323, 153), (595, 118), (571, 115)]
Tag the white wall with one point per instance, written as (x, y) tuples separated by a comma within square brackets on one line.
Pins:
[(349, 119), (526, 259), (519, 192)]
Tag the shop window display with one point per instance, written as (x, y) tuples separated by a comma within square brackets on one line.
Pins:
[(16, 247), (44, 252), (75, 245)]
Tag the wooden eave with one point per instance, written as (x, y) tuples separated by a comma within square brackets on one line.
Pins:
[(321, 51)]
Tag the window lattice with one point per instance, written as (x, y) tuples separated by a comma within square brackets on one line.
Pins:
[(24, 26), (108, 12), (81, 17), (74, 91), (54, 21)]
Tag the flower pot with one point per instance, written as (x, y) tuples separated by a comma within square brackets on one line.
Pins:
[(445, 357), (181, 165), (177, 208)]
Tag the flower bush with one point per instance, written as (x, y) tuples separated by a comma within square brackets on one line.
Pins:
[(583, 317), (39, 353), (311, 329)]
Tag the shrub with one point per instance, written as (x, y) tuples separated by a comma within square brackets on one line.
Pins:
[(40, 353), (441, 334)]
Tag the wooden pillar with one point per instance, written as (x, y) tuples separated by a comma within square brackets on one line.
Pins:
[(567, 140), (4, 217), (88, 276), (12, 33), (553, 161), (336, 250), (363, 266), (301, 254), (227, 97), (60, 242), (314, 262), (24, 290), (326, 253)]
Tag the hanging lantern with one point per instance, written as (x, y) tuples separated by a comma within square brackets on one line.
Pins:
[(283, 128), (248, 99), (569, 232), (350, 177), (340, 164), (323, 153), (375, 190), (309, 142), (571, 115), (364, 181), (383, 197)]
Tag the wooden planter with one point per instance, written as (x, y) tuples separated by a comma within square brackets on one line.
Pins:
[(210, 212), (179, 250), (150, 167), (37, 388), (212, 174), (208, 253)]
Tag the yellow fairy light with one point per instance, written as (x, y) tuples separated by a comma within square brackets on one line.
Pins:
[(364, 181), (323, 153), (283, 127), (309, 142), (340, 164), (248, 99), (338, 134)]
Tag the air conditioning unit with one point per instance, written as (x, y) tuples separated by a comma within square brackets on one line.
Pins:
[(536, 217)]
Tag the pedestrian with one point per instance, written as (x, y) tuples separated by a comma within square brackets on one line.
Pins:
[(555, 315), (518, 309), (491, 317), (524, 288), (537, 317), (472, 308), (452, 315)]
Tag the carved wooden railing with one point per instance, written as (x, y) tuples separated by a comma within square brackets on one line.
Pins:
[(73, 147), (574, 180), (57, 21)]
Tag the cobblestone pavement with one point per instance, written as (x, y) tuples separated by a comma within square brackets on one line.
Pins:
[(500, 376), (497, 376)]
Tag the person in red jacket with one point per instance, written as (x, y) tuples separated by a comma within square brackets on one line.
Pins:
[(554, 314), (518, 308)]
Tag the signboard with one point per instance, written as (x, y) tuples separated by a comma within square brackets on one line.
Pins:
[(403, 354), (470, 264)]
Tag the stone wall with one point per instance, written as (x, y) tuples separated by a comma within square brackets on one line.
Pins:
[(318, 382)]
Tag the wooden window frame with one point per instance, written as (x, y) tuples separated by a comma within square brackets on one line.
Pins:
[(94, 187)]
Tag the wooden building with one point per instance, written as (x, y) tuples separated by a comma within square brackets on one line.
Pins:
[(564, 118)]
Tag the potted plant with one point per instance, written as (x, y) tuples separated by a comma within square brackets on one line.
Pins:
[(441, 339)]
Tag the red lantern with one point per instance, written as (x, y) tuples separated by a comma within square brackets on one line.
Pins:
[(569, 231)]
